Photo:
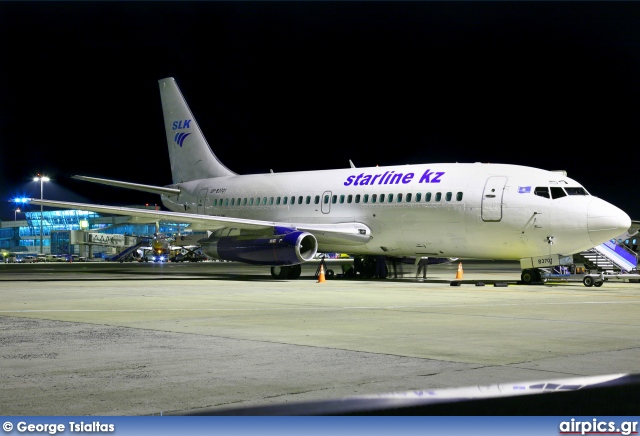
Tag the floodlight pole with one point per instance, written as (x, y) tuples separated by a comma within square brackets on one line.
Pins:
[(42, 179), (41, 217), (15, 214)]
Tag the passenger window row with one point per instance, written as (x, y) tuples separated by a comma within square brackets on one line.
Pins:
[(339, 199)]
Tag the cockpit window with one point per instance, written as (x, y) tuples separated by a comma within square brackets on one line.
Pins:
[(576, 191), (557, 192), (542, 191)]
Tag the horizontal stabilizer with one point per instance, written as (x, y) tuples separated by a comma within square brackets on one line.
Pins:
[(160, 190), (198, 222)]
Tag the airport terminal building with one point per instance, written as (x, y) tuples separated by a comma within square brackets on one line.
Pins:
[(79, 232)]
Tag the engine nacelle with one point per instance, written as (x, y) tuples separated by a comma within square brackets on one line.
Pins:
[(290, 248)]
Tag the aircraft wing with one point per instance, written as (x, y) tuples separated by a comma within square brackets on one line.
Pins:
[(346, 233)]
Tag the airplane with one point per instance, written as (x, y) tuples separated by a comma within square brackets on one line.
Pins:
[(440, 210), (157, 249), (164, 248)]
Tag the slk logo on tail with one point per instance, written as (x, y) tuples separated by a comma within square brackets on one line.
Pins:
[(180, 137), (180, 125)]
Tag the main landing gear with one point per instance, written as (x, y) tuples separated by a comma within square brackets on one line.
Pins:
[(286, 272)]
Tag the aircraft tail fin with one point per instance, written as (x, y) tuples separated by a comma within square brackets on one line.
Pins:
[(190, 155)]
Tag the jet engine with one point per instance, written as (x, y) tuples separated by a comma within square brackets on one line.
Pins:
[(284, 247)]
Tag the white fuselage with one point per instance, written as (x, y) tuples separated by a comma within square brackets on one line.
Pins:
[(437, 210)]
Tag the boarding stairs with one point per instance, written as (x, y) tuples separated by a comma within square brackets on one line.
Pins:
[(610, 257), (119, 257)]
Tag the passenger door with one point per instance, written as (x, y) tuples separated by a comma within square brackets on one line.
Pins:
[(492, 198), (201, 203)]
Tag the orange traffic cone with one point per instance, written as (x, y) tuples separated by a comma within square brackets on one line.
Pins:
[(321, 275), (459, 273)]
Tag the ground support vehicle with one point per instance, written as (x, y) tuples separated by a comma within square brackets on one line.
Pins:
[(589, 279)]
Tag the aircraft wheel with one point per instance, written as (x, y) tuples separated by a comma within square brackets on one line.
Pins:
[(279, 272), (294, 271), (329, 274), (598, 284), (588, 281)]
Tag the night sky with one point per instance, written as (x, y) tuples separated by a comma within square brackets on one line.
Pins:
[(309, 85)]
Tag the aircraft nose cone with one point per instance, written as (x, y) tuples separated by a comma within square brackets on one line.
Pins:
[(605, 221)]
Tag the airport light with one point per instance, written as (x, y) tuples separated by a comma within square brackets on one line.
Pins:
[(15, 213), (41, 179)]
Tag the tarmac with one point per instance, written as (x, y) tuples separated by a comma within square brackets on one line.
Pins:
[(149, 339)]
